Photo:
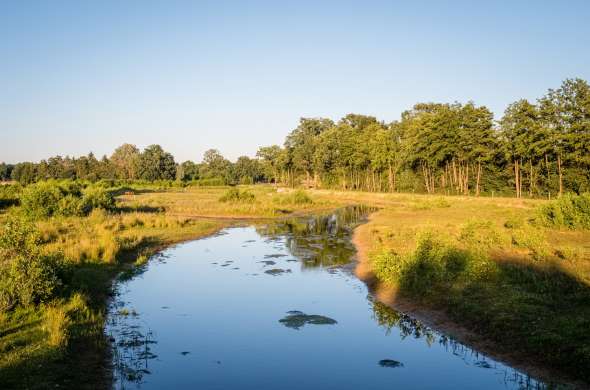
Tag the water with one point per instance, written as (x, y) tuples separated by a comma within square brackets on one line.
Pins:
[(277, 307)]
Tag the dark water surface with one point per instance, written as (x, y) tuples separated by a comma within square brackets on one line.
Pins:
[(275, 307)]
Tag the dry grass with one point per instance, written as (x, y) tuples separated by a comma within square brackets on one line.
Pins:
[(204, 202)]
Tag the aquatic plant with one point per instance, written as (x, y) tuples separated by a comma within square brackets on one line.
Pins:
[(297, 320)]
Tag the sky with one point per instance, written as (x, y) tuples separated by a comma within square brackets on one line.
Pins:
[(81, 76)]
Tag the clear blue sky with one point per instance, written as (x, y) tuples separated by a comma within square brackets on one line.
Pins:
[(86, 76)]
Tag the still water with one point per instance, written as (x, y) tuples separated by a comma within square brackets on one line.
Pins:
[(278, 307)]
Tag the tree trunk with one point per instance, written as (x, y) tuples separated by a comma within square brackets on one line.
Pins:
[(531, 178), (548, 174), (516, 183), (560, 174), (390, 178), (478, 178), (520, 178)]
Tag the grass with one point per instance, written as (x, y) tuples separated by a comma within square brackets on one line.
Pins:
[(493, 265), (490, 263), (261, 202), (61, 344)]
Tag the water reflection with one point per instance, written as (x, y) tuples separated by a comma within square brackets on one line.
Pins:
[(322, 240), (390, 319)]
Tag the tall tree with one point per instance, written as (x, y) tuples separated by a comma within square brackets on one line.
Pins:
[(125, 159), (156, 164)]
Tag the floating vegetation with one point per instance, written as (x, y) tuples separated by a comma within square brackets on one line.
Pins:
[(277, 271), (267, 262), (297, 320), (274, 256), (389, 363)]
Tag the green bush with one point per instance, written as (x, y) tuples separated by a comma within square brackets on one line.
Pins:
[(46, 199), (26, 275), (9, 195), (234, 195), (41, 200), (570, 211), (96, 198), (297, 197)]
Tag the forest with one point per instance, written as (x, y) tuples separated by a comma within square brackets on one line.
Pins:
[(537, 149)]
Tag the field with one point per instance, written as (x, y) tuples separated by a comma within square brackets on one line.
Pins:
[(491, 265)]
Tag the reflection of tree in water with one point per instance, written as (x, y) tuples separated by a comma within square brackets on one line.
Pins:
[(319, 240), (130, 346), (407, 326)]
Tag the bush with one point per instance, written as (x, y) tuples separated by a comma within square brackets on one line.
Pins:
[(570, 211), (96, 198), (9, 195), (301, 197), (234, 195), (46, 199), (41, 200), (26, 276), (296, 197)]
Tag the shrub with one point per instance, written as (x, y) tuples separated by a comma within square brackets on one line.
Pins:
[(96, 198), (41, 200), (26, 276), (479, 234), (234, 195), (46, 199), (9, 195), (301, 197), (297, 197), (435, 262), (570, 211)]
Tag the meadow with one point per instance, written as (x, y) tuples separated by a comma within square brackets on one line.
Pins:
[(514, 271)]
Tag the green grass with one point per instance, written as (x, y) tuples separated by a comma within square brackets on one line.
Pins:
[(493, 266)]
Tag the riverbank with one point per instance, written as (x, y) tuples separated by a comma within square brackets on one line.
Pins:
[(61, 344), (471, 314)]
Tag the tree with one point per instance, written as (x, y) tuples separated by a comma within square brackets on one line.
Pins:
[(156, 164), (5, 171), (125, 159), (270, 160), (301, 144), (566, 114), (24, 173), (215, 165)]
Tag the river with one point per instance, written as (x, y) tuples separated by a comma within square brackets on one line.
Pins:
[(277, 306)]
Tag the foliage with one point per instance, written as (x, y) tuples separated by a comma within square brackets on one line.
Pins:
[(156, 164), (9, 195), (46, 199), (569, 211), (26, 275), (236, 196), (434, 262)]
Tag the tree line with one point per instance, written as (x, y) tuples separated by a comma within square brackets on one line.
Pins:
[(538, 149)]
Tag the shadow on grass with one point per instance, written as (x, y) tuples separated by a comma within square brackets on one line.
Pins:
[(536, 309)]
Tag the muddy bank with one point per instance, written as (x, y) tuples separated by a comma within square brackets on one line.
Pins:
[(440, 320)]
